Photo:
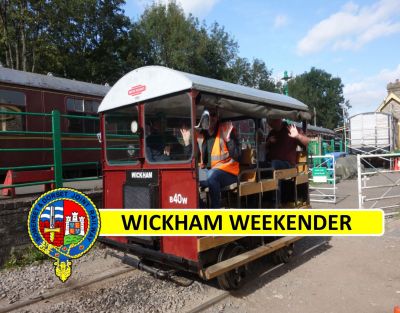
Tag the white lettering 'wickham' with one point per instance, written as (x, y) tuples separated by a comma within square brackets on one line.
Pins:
[(142, 174)]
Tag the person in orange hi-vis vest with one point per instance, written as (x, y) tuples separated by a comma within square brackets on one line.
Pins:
[(219, 154)]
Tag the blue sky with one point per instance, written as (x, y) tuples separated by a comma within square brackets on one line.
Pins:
[(358, 41)]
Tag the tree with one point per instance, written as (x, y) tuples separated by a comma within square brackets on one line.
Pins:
[(88, 41), (254, 74), (319, 90), (16, 23), (165, 36), (81, 39), (92, 40)]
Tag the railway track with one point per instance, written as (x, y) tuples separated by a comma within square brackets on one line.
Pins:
[(210, 302), (123, 270), (60, 291)]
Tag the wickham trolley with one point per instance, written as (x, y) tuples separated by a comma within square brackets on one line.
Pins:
[(131, 179)]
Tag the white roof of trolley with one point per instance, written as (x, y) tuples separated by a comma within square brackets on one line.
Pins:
[(151, 82)]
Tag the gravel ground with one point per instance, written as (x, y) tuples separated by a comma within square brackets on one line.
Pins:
[(339, 274), (346, 275), (36, 279), (135, 291)]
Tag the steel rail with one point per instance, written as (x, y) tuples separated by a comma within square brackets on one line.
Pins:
[(61, 291)]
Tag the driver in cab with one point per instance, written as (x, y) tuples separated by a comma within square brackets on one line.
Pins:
[(162, 146)]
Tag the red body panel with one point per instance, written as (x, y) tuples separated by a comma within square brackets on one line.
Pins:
[(113, 187), (178, 190)]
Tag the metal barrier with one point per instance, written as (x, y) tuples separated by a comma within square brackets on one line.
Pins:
[(322, 173), (386, 179), (56, 148)]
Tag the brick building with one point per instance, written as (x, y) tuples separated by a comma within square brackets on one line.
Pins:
[(391, 104)]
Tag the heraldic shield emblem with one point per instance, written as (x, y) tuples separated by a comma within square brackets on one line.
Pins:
[(64, 224)]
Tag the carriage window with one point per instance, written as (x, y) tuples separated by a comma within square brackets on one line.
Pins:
[(81, 107), (12, 101), (122, 140), (11, 121), (12, 97), (168, 122)]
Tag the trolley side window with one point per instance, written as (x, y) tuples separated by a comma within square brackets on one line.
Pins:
[(12, 101), (82, 108), (122, 145), (166, 121)]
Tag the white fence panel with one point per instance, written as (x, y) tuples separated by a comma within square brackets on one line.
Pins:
[(323, 189), (379, 187)]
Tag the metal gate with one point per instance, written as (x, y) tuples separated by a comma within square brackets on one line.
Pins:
[(322, 177), (379, 182)]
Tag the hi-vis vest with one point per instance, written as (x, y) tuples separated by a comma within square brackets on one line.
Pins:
[(220, 158)]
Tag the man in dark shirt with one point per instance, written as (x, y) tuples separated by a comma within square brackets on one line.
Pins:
[(282, 142)]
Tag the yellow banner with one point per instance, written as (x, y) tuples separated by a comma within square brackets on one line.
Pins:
[(245, 222)]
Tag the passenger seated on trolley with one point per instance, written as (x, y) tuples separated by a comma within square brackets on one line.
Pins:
[(161, 146), (219, 153), (282, 142), (281, 145)]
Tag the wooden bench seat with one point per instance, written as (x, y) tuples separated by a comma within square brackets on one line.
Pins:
[(301, 178), (250, 187), (285, 173)]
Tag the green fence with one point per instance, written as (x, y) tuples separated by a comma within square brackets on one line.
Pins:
[(57, 148), (323, 146)]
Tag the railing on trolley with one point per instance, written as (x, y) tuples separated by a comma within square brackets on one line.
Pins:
[(56, 148), (379, 187), (322, 177)]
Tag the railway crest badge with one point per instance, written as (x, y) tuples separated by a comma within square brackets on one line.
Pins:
[(64, 224)]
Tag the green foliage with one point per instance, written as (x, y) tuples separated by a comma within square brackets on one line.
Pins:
[(254, 75), (165, 36), (93, 40), (79, 39), (319, 90), (26, 256)]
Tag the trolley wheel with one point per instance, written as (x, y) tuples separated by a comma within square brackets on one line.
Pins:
[(283, 255), (234, 278)]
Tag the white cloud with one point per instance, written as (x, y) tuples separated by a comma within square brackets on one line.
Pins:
[(280, 21), (196, 7), (352, 27), (366, 95)]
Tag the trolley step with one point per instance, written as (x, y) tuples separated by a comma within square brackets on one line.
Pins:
[(246, 257)]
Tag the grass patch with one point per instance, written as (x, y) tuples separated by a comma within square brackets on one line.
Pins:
[(25, 256)]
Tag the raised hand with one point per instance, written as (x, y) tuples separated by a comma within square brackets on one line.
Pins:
[(293, 132), (185, 135), (226, 131)]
